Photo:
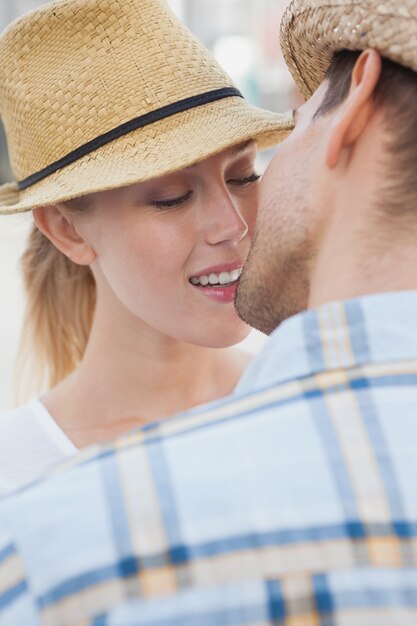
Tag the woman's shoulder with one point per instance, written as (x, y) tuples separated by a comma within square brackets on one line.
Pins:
[(28, 445), (14, 425), (19, 422), (24, 411)]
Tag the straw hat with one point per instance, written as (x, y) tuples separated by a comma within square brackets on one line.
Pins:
[(97, 94), (312, 31)]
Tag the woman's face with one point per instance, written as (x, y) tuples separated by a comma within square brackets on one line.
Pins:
[(169, 251)]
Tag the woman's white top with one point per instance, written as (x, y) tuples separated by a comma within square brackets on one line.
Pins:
[(30, 442)]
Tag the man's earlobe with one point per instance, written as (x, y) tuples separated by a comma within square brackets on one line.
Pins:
[(354, 113), (55, 225)]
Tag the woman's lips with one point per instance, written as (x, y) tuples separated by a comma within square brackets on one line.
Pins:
[(218, 282), (220, 277), (220, 293)]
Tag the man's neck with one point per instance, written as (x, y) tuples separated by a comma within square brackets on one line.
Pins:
[(353, 266)]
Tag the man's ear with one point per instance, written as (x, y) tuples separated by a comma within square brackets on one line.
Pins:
[(354, 113), (56, 224)]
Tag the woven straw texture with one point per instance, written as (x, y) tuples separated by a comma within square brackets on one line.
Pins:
[(75, 69), (313, 30)]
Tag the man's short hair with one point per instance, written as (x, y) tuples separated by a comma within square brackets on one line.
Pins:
[(396, 93)]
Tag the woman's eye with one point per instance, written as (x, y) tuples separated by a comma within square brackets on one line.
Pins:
[(243, 182), (172, 202)]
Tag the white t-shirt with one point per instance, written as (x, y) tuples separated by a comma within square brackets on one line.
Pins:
[(30, 442)]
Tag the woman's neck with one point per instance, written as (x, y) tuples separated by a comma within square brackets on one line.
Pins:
[(130, 376)]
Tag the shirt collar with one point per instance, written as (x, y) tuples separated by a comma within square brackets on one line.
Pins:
[(340, 335)]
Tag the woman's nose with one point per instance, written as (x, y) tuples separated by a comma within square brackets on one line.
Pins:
[(225, 221)]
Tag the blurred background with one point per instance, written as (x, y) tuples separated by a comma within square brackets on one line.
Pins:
[(244, 37)]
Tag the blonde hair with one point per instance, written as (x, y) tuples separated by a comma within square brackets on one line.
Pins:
[(61, 299)]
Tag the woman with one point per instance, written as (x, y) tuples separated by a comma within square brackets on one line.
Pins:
[(136, 154)]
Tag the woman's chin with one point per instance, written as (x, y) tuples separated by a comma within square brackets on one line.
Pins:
[(222, 336)]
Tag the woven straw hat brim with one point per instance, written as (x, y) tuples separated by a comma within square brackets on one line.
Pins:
[(312, 31), (154, 151)]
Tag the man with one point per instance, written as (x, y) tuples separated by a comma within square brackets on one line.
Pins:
[(294, 501)]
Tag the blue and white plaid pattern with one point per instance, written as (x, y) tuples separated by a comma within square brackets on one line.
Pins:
[(292, 503)]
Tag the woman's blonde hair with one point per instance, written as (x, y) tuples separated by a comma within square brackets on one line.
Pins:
[(61, 299)]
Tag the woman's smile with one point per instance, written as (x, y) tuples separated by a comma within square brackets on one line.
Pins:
[(218, 282)]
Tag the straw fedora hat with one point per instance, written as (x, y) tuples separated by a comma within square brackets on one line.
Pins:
[(312, 31), (98, 94)]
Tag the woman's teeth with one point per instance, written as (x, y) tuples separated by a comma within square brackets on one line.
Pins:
[(224, 278)]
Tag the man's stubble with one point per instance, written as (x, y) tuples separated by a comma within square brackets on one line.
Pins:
[(275, 281)]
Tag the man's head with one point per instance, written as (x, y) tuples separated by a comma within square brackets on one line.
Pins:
[(340, 194)]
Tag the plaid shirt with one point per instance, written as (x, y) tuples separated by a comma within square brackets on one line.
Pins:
[(292, 503)]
